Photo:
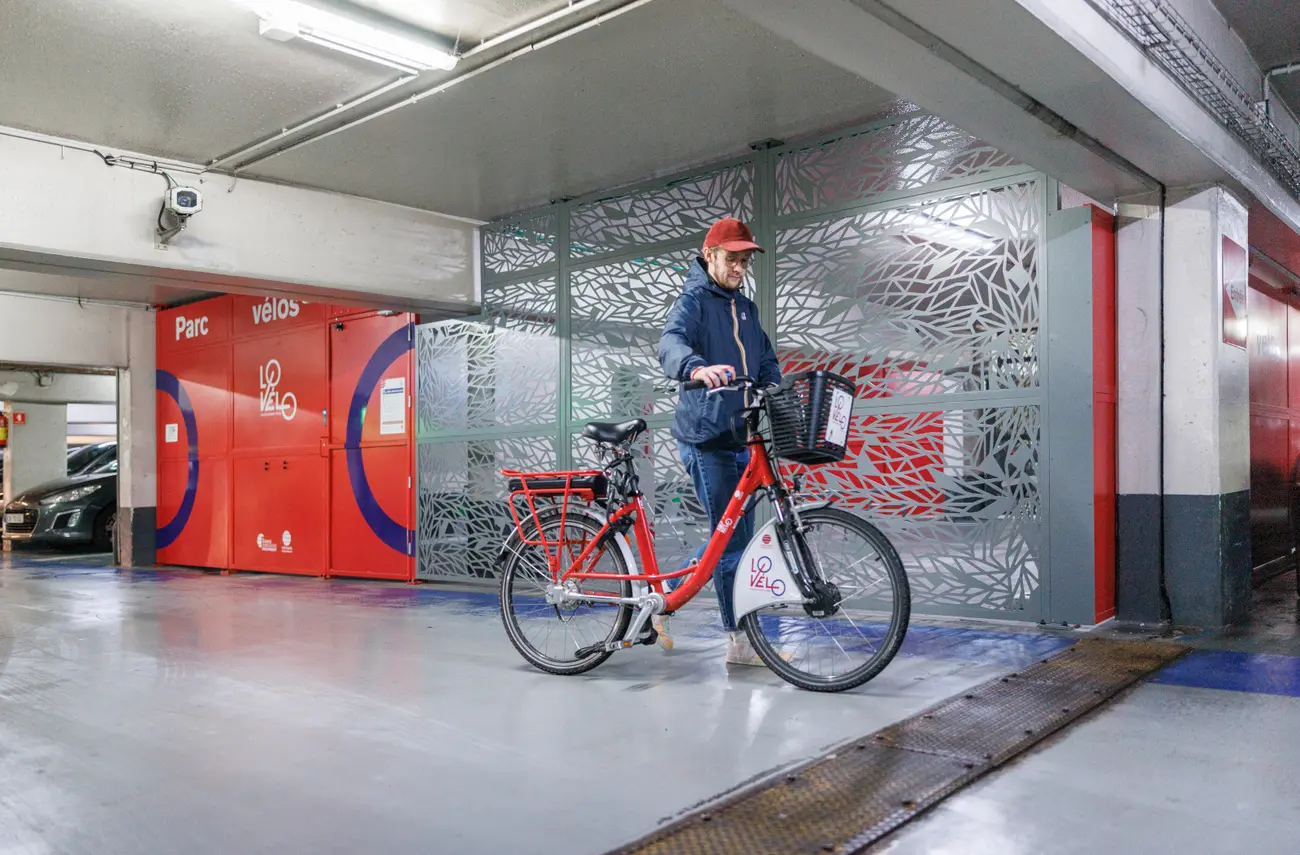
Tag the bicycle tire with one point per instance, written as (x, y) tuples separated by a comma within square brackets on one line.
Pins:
[(509, 612), (899, 618)]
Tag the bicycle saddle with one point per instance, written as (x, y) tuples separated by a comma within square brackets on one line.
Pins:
[(614, 433)]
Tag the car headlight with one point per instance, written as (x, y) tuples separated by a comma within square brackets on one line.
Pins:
[(74, 495)]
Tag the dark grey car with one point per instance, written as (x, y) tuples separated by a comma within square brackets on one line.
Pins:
[(74, 511)]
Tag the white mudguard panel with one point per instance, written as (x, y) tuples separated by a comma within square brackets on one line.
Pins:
[(763, 577)]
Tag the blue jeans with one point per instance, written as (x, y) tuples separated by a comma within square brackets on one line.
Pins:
[(715, 475)]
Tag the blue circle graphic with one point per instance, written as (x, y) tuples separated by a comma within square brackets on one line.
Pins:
[(387, 529), (169, 385)]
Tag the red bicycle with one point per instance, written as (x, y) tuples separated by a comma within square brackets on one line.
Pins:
[(820, 592)]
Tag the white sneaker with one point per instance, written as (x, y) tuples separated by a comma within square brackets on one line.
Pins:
[(740, 651), (660, 623)]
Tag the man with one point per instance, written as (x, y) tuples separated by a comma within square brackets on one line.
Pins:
[(712, 334)]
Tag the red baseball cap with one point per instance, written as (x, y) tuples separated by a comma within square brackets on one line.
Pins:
[(732, 235)]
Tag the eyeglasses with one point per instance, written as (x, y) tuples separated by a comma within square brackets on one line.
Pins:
[(742, 260)]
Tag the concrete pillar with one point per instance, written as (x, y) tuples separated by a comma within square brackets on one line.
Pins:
[(1184, 414), (137, 481), (1206, 415), (1139, 590), (38, 449)]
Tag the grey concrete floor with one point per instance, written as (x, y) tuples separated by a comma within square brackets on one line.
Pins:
[(1166, 770), (187, 712), (1172, 767)]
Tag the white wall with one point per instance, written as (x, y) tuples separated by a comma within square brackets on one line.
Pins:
[(40, 331), (58, 388), (297, 240), (38, 450)]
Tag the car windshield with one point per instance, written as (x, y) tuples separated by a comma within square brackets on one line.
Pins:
[(104, 468), (89, 458)]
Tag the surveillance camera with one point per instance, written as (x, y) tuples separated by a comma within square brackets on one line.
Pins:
[(184, 201)]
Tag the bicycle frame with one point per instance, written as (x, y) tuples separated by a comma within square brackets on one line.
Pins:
[(758, 475)]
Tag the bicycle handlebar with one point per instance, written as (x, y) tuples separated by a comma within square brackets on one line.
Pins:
[(736, 384)]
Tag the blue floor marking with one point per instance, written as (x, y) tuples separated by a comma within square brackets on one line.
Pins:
[(1008, 649), (1231, 671)]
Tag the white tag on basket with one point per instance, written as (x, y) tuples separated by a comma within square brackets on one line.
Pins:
[(837, 423)]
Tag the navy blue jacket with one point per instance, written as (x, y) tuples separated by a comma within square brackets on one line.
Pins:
[(709, 325)]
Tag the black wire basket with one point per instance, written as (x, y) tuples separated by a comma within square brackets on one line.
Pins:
[(809, 417)]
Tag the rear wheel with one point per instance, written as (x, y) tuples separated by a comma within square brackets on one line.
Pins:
[(872, 605), (549, 636)]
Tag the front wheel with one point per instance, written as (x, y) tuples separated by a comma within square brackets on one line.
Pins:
[(872, 606)]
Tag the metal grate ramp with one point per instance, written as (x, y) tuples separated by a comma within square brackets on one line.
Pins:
[(846, 801)]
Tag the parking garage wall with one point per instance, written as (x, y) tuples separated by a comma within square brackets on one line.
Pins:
[(906, 254)]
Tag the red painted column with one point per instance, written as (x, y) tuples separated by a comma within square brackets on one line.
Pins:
[(1105, 393)]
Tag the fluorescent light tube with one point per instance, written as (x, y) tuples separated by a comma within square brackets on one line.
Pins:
[(284, 20)]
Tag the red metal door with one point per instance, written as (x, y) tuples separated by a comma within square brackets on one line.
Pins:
[(371, 447), (281, 478)]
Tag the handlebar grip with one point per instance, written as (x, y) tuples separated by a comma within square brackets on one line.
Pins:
[(694, 384)]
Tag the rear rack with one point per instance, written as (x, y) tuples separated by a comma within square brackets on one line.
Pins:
[(585, 485)]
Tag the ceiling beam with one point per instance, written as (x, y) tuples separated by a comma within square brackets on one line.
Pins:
[(67, 212)]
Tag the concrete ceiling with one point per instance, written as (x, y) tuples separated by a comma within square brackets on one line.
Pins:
[(468, 21), (185, 80), (667, 85), (672, 83), (1271, 30), (107, 289)]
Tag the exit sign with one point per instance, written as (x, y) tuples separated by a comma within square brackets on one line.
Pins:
[(20, 418)]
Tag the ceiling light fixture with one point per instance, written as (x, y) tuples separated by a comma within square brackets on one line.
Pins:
[(285, 20)]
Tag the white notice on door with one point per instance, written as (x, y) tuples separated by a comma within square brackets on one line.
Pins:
[(837, 424), (392, 406), (172, 433)]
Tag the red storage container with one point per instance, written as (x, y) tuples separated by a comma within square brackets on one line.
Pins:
[(257, 469)]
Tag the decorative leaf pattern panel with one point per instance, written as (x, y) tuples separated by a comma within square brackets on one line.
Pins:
[(618, 313), (957, 491), (681, 209), (940, 297), (908, 155), (500, 370), (461, 501), (520, 245)]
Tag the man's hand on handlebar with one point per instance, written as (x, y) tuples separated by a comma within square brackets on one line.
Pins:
[(713, 376), (735, 383)]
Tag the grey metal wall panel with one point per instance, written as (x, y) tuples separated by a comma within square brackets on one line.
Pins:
[(1069, 416)]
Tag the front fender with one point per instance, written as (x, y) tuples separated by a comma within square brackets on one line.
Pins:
[(763, 577)]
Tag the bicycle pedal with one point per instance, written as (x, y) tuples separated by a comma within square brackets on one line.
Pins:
[(649, 638), (584, 652)]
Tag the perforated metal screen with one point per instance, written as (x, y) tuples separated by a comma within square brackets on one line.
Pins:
[(906, 254)]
